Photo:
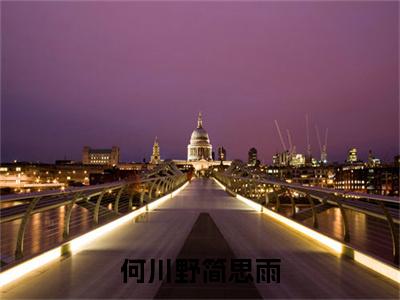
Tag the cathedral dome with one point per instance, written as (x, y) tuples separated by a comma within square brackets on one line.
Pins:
[(199, 147), (199, 135)]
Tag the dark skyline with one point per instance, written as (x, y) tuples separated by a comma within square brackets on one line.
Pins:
[(121, 73)]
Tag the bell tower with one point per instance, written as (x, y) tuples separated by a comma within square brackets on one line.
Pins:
[(155, 157)]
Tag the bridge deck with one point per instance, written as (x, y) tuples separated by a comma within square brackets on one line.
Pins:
[(307, 270)]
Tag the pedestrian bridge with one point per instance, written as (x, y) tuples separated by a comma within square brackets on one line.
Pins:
[(203, 221)]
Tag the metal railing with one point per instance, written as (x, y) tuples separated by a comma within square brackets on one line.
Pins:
[(271, 192), (122, 197)]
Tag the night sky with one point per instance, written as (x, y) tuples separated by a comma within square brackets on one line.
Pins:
[(121, 73)]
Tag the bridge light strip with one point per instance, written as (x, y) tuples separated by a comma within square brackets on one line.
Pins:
[(338, 247), (29, 266), (331, 243), (377, 266), (76, 244)]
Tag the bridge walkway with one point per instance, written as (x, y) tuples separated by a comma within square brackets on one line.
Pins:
[(307, 269)]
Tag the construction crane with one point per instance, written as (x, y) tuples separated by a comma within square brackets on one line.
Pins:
[(319, 140), (308, 138), (322, 147), (324, 152), (280, 135), (289, 141)]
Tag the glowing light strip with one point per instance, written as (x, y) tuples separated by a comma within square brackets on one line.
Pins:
[(338, 247), (220, 184), (332, 244), (79, 242), (377, 266), (29, 266), (76, 244)]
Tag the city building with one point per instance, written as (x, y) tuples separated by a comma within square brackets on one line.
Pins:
[(35, 177), (281, 159), (322, 176), (28, 177), (155, 157), (221, 153), (199, 151), (373, 161), (297, 160), (286, 158), (252, 157), (100, 156), (199, 147), (381, 180), (352, 156)]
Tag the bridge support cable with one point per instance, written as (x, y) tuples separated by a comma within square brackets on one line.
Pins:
[(346, 229), (22, 228), (68, 212), (393, 233), (116, 203), (314, 212), (145, 188), (293, 203), (97, 207), (132, 194)]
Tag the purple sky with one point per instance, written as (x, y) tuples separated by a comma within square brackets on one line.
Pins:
[(120, 73)]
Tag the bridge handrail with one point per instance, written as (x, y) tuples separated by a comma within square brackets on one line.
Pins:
[(69, 195), (111, 185), (249, 186), (164, 180), (390, 199)]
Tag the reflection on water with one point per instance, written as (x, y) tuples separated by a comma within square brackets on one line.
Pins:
[(367, 233), (44, 231), (11, 203)]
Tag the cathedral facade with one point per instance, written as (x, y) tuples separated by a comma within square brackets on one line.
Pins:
[(199, 148)]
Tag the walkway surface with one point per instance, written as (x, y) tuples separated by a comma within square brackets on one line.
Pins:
[(202, 221)]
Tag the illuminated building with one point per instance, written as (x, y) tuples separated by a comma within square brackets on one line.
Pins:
[(352, 178), (285, 158), (199, 151), (381, 180), (199, 147), (34, 177), (373, 161), (155, 157), (352, 156), (297, 160), (322, 176), (100, 156), (281, 159)]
